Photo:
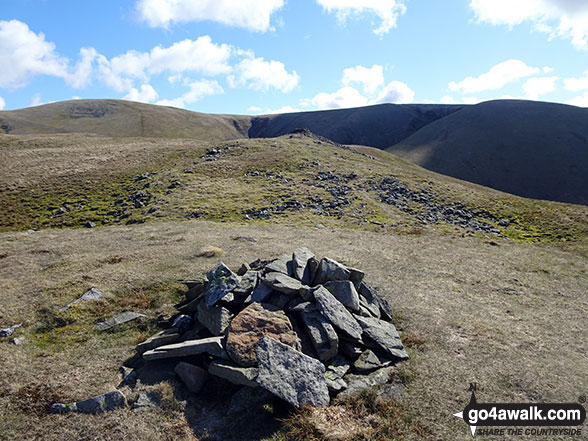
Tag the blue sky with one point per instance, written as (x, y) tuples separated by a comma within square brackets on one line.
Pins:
[(264, 56)]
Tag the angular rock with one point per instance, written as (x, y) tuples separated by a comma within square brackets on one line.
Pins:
[(355, 276), (212, 346), (372, 296), (336, 385), (337, 367), (243, 269), (165, 337), (310, 271), (323, 336), (146, 400), (300, 258), (369, 361), (259, 294), (369, 309), (384, 335), (282, 283), (299, 305), (282, 265), (255, 321), (249, 281), (119, 319), (7, 332), (278, 299), (350, 349), (291, 375), (216, 319), (192, 376), (345, 292), (98, 404), (329, 270), (17, 341), (336, 313), (248, 398), (91, 294), (182, 323), (221, 281), (233, 373), (355, 383)]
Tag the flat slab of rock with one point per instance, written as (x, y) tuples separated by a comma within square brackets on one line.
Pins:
[(216, 318), (300, 258), (165, 337), (369, 361), (234, 374), (212, 346), (322, 335), (282, 283), (283, 265), (192, 376), (371, 295), (251, 324), (336, 313), (291, 375), (7, 332), (91, 294), (119, 319), (329, 270), (355, 383), (221, 281), (345, 292), (259, 294), (383, 334), (249, 281), (98, 404)]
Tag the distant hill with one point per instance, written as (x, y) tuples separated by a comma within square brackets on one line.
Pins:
[(531, 149), (119, 118)]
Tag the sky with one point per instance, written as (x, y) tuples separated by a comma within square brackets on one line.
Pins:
[(276, 56)]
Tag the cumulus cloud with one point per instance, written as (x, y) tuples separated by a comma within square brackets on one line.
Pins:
[(576, 84), (537, 86), (447, 99), (387, 10), (198, 90), (35, 100), (343, 98), (559, 18), (147, 94), (24, 54), (258, 74), (2, 103), (254, 15), (496, 78), (396, 92), (82, 72), (369, 78), (580, 101)]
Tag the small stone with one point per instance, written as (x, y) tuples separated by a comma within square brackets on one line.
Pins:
[(282, 283), (91, 294), (243, 269), (372, 296), (337, 367), (7, 332), (233, 373), (300, 258), (166, 337), (291, 375), (17, 341), (146, 400), (384, 335), (119, 319), (259, 294), (249, 281), (216, 319), (337, 314), (192, 376), (182, 323), (355, 383), (330, 269), (336, 385), (368, 309), (98, 404), (310, 271), (90, 225), (221, 281), (323, 336), (212, 346), (345, 292), (369, 361)]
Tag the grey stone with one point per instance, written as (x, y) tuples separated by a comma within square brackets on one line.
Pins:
[(330, 269), (91, 294), (337, 367), (216, 319), (291, 375), (98, 404), (212, 346), (146, 400), (7, 332), (356, 276), (282, 283), (310, 271), (259, 294), (90, 225), (166, 337), (243, 269), (336, 385), (368, 309), (283, 265), (336, 313), (345, 292), (323, 336), (249, 282), (369, 361), (350, 349), (192, 376), (221, 281), (182, 323), (384, 335), (372, 296), (278, 299), (233, 373), (300, 258), (248, 398), (299, 305), (17, 341), (119, 319), (355, 383)]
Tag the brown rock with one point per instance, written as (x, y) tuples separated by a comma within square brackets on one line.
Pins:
[(255, 321)]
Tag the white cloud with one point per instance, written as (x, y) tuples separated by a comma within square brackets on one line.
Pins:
[(284, 109), (254, 15), (369, 78), (387, 10), (2, 103), (147, 94), (262, 75), (576, 84), (580, 101), (396, 92), (537, 86), (255, 109), (35, 100), (447, 99), (496, 78), (198, 90), (82, 73), (559, 18), (24, 54), (343, 98)]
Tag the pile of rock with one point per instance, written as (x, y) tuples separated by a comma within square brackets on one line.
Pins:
[(297, 327)]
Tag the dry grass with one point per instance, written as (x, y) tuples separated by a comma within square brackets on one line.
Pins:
[(210, 252)]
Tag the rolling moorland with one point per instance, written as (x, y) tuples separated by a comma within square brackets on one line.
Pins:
[(486, 286)]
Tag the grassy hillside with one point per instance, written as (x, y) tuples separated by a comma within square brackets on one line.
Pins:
[(118, 118)]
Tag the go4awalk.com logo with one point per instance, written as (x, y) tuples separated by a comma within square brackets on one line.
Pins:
[(513, 419)]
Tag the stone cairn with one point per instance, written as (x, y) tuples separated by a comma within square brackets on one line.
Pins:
[(302, 329)]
